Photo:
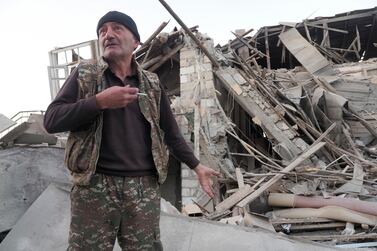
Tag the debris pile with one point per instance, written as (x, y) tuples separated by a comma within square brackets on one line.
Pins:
[(301, 135)]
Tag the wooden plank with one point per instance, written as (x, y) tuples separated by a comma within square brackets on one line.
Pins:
[(188, 31), (267, 48), (300, 221), (234, 198), (307, 33), (239, 176), (339, 237), (166, 57), (326, 38), (305, 53), (326, 28), (315, 226), (278, 43), (226, 77), (311, 150), (344, 18), (196, 128)]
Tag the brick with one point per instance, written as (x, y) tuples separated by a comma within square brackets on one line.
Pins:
[(186, 89), (239, 79), (275, 118), (185, 48), (187, 70), (183, 62), (300, 143), (289, 134), (189, 173), (282, 125), (208, 102), (187, 54), (185, 173), (206, 67), (186, 192), (208, 75), (187, 200), (190, 61), (190, 183), (209, 84), (184, 78)]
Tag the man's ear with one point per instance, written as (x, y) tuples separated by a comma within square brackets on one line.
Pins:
[(137, 43)]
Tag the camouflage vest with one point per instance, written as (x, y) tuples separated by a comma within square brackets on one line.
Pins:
[(82, 149)]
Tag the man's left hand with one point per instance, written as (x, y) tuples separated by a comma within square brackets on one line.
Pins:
[(204, 176)]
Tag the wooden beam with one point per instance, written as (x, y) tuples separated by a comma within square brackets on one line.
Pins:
[(326, 28), (371, 34), (188, 31), (166, 57), (154, 34), (267, 48), (339, 237), (307, 33), (234, 199), (239, 176), (253, 49), (241, 35), (343, 18), (311, 150), (315, 226)]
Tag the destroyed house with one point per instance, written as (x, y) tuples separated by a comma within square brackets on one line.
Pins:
[(287, 115)]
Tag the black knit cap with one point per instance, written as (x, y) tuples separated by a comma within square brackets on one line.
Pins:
[(119, 17)]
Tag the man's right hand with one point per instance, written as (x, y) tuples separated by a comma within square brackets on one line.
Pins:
[(116, 97)]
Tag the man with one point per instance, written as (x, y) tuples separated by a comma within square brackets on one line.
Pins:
[(119, 121)]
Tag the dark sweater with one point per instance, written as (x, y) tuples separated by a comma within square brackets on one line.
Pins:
[(126, 142)]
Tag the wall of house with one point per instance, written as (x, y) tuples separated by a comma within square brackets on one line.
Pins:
[(197, 93)]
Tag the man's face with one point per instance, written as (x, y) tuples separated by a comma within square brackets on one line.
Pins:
[(116, 41)]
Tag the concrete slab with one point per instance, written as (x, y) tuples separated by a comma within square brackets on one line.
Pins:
[(193, 234), (25, 173), (44, 227), (5, 122), (30, 132)]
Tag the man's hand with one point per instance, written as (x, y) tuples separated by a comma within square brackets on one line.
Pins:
[(204, 176), (116, 97)]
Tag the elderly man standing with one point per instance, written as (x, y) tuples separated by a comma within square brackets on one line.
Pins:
[(120, 122)]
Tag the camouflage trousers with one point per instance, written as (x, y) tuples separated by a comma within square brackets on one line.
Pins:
[(127, 208)]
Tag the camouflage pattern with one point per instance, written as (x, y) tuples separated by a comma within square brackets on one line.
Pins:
[(150, 107), (110, 207), (82, 150)]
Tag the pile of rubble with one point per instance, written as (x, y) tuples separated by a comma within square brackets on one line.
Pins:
[(301, 138)]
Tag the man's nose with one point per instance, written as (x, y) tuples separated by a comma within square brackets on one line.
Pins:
[(109, 34)]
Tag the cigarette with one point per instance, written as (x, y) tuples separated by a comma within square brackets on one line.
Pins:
[(142, 94)]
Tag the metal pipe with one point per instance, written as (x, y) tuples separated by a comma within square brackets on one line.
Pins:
[(291, 200)]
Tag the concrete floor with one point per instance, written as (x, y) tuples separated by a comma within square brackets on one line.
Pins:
[(25, 172), (44, 227)]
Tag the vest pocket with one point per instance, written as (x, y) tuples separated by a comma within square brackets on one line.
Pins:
[(79, 150)]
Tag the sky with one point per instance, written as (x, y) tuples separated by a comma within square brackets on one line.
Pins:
[(30, 29)]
